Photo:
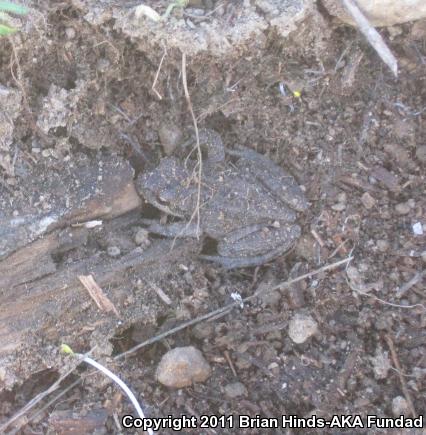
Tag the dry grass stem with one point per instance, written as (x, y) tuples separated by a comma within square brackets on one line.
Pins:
[(96, 293), (157, 74), (196, 212), (404, 387)]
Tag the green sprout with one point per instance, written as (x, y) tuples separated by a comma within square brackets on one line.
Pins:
[(6, 8), (176, 4), (147, 11)]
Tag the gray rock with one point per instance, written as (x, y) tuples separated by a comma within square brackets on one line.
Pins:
[(113, 251), (236, 389), (403, 208), (368, 201)]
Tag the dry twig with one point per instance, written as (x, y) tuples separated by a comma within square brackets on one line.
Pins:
[(198, 147), (154, 83), (372, 35), (96, 293), (404, 387)]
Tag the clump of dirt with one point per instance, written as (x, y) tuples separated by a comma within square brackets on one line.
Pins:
[(93, 79)]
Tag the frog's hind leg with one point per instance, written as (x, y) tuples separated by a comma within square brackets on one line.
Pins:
[(280, 183), (236, 262), (175, 229), (254, 245)]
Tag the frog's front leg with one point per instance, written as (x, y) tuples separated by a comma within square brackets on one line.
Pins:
[(254, 245), (212, 143), (175, 229)]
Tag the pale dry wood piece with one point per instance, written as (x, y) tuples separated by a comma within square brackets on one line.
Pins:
[(97, 294), (317, 238), (71, 194), (400, 372), (411, 283), (161, 294), (68, 421), (372, 35), (230, 363), (357, 183), (34, 307), (35, 260), (387, 178)]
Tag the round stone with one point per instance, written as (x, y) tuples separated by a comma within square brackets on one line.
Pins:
[(113, 251), (181, 367), (236, 389), (302, 327)]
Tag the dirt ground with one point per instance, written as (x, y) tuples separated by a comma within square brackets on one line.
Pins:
[(89, 79)]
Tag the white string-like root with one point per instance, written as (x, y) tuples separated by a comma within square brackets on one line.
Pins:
[(198, 147), (119, 382)]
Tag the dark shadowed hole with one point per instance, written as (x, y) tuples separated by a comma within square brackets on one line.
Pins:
[(209, 246)]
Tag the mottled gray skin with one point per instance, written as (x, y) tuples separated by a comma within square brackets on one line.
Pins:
[(248, 206)]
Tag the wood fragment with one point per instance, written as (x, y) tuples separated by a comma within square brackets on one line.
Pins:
[(161, 294), (97, 294), (372, 35), (230, 363), (387, 178), (404, 387), (68, 421), (411, 283)]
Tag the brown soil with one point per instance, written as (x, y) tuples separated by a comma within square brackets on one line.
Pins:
[(89, 79)]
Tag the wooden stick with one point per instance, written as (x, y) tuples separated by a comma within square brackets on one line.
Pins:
[(404, 387), (372, 35)]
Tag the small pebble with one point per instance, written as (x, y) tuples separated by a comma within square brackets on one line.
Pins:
[(271, 298), (381, 364), (103, 65), (368, 201), (382, 245), (181, 367), (235, 389), (142, 237), (302, 327), (341, 197), (113, 251), (170, 137), (70, 33), (400, 406), (418, 229), (402, 208), (339, 206), (421, 153)]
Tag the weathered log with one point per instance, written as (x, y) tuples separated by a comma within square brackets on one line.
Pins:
[(45, 247), (48, 199)]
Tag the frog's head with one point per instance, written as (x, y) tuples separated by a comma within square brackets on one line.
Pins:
[(166, 186)]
